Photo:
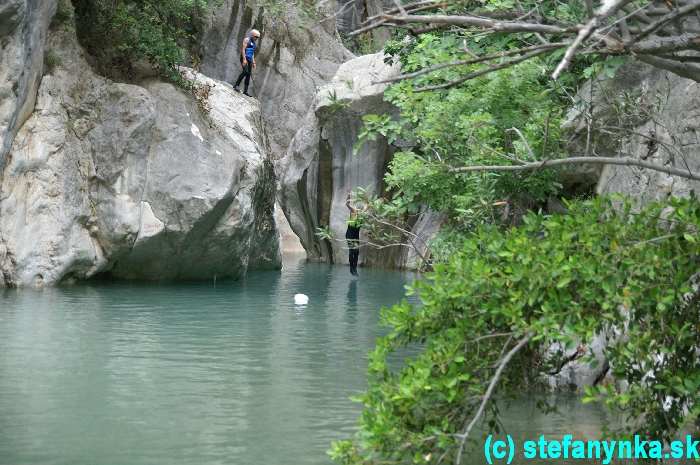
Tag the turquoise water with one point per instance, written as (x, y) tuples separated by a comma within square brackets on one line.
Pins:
[(197, 374), (187, 374)]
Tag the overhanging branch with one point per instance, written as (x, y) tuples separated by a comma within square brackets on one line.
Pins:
[(489, 392), (621, 161), (472, 21), (652, 30), (484, 71), (493, 56)]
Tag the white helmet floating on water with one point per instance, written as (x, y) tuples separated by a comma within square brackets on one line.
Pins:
[(301, 299)]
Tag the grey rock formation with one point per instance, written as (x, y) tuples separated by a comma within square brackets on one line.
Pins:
[(134, 181), (576, 372), (645, 113), (289, 242), (23, 27), (351, 13), (297, 55), (320, 169)]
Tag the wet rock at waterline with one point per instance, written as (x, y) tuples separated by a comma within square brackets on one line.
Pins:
[(135, 181), (575, 371)]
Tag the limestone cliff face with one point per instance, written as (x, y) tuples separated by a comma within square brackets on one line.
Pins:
[(297, 55), (23, 27), (645, 113), (320, 169), (135, 181), (659, 124)]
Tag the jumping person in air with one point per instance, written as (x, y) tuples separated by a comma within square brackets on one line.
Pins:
[(353, 235), (250, 45)]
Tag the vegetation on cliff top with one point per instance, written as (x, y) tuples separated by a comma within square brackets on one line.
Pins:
[(122, 33)]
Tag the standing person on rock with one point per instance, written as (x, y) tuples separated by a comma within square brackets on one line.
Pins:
[(352, 235), (248, 49)]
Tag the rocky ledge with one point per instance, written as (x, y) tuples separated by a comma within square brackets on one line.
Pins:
[(135, 181)]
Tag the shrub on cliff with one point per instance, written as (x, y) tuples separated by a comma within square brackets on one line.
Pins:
[(121, 33)]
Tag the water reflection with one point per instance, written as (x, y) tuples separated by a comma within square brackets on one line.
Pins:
[(185, 374), (196, 373), (351, 308)]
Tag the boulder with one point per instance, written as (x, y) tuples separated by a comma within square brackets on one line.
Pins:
[(135, 181), (320, 169), (577, 371), (645, 113), (23, 28), (667, 133)]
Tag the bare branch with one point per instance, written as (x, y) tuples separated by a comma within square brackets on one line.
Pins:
[(489, 392), (382, 20), (667, 44), (401, 9), (621, 161), (686, 70), (663, 21), (481, 72), (475, 60), (681, 58), (407, 8), (608, 9), (479, 22)]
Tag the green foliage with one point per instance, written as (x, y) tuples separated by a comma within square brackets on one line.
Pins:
[(511, 114), (562, 279), (607, 67), (123, 32), (64, 14), (601, 271), (51, 61), (364, 44), (336, 104)]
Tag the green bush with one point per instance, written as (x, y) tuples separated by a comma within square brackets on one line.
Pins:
[(557, 279), (64, 14), (122, 32), (488, 121), (51, 61)]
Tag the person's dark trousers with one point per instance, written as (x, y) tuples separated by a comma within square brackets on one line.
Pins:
[(353, 237), (246, 73), (354, 258)]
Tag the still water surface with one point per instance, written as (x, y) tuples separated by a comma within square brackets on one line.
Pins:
[(197, 374)]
